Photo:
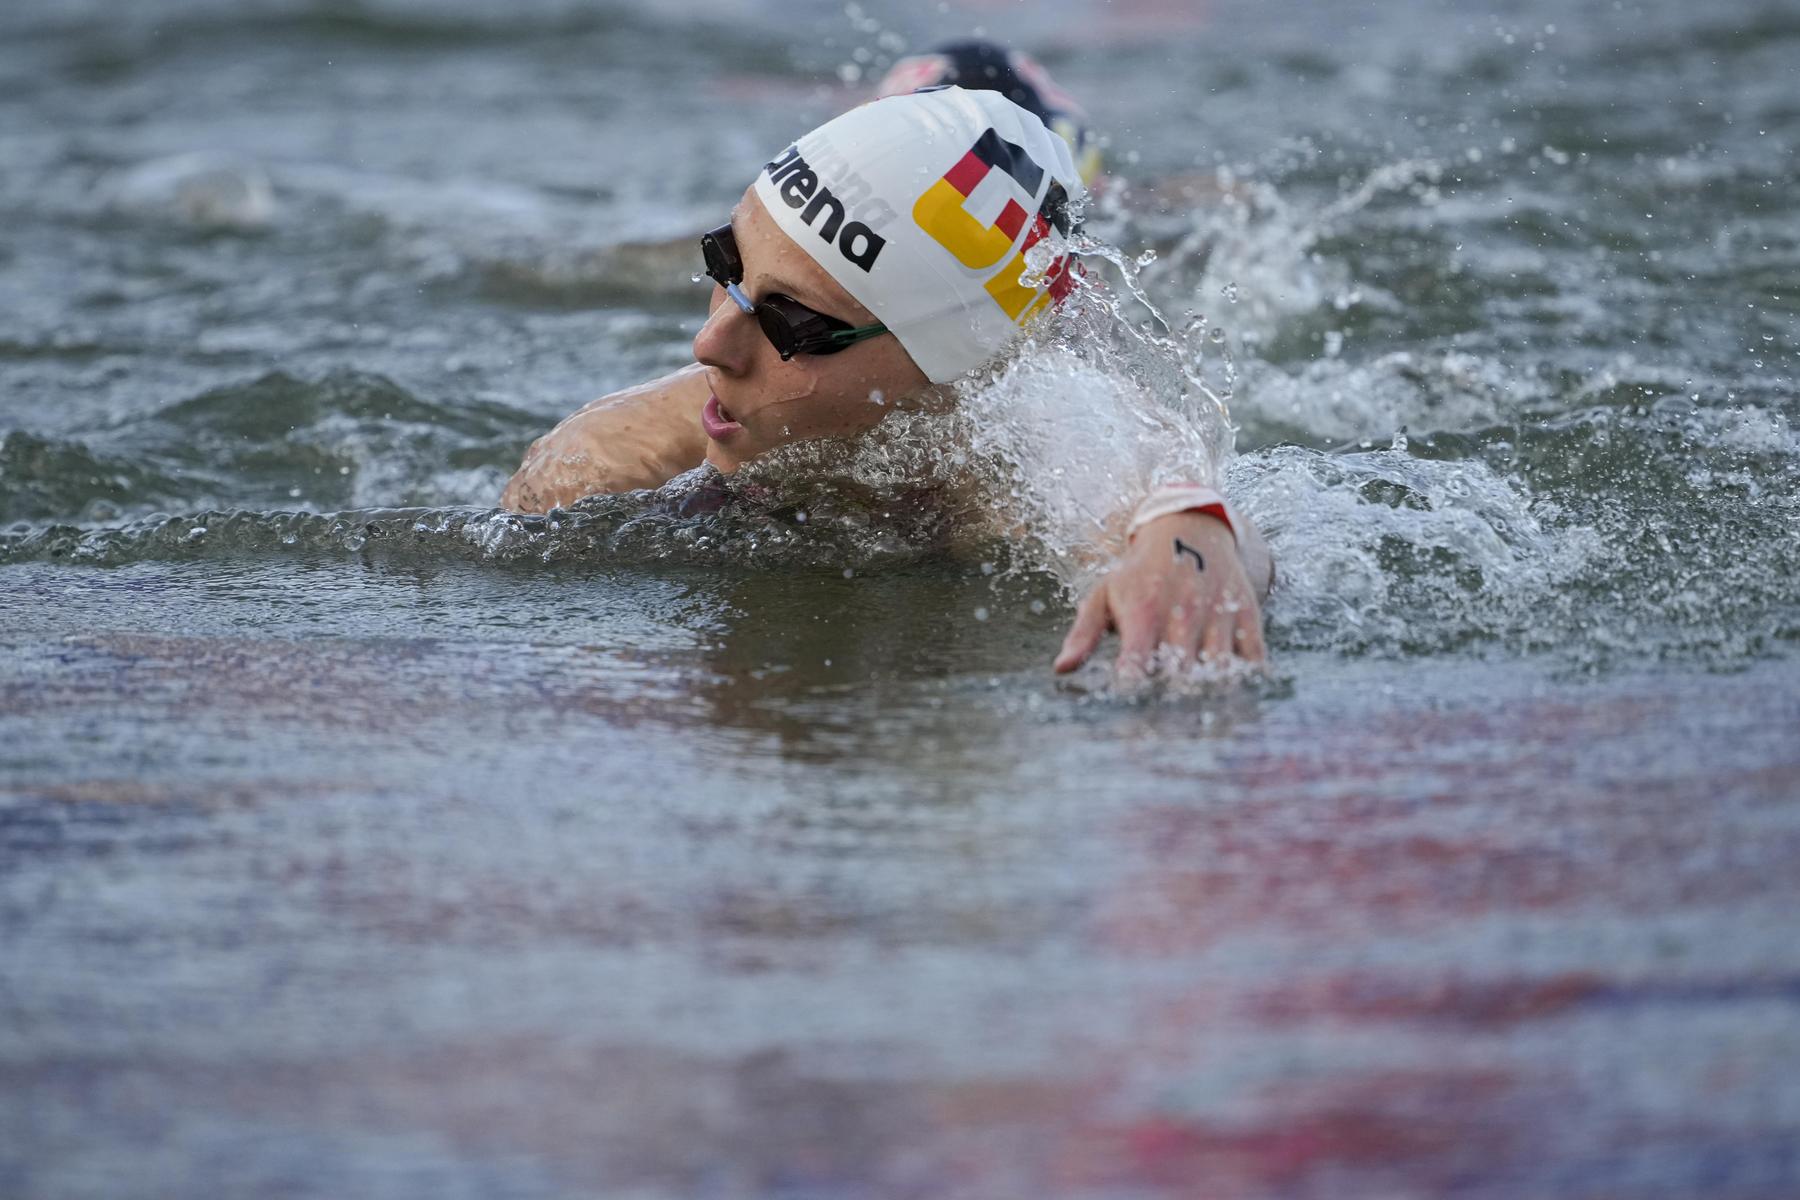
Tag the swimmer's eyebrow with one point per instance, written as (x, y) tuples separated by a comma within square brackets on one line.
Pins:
[(775, 283)]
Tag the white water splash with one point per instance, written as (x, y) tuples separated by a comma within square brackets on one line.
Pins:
[(1336, 401), (1379, 550)]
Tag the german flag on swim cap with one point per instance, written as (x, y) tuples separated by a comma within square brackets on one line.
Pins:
[(980, 65)]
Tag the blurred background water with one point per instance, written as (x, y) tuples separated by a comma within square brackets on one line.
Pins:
[(356, 839)]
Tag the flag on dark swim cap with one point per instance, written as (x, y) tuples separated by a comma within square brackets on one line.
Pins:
[(946, 213), (980, 65)]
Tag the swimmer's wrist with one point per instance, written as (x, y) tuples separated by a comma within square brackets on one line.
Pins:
[(1183, 498)]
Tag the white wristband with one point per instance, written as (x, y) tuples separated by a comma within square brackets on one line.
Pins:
[(1179, 498)]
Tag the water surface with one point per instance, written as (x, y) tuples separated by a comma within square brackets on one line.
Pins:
[(358, 840)]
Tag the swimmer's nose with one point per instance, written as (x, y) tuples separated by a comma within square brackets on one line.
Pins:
[(727, 342)]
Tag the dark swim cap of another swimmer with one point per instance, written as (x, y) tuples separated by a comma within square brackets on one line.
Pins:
[(980, 65)]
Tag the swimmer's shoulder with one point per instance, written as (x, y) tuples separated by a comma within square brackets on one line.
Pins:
[(646, 434), (673, 397), (637, 437), (659, 393)]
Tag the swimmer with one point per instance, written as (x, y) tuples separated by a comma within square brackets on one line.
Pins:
[(850, 269), (977, 63), (981, 65)]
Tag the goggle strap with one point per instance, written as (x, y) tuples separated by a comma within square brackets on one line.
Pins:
[(850, 336)]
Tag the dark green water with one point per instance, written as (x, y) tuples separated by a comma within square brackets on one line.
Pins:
[(356, 840)]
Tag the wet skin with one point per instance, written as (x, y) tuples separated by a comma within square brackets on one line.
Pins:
[(767, 402), (1171, 607), (644, 436)]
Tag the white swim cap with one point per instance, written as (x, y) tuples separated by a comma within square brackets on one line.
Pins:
[(924, 207)]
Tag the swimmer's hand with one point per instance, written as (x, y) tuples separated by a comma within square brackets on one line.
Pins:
[(1181, 584)]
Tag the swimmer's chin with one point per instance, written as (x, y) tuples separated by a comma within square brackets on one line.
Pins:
[(723, 463), (728, 459)]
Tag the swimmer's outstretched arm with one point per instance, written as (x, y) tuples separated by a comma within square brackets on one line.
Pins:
[(1187, 581), (641, 437)]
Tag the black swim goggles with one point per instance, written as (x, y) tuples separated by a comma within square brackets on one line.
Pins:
[(791, 327)]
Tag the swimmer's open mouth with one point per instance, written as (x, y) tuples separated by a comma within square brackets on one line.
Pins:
[(716, 421)]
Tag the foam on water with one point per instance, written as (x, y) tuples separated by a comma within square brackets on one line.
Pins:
[(1380, 550), (203, 190), (1335, 400)]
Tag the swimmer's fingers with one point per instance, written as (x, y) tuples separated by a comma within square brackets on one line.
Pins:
[(1215, 647), (1091, 619), (1184, 633), (1250, 646), (1140, 631)]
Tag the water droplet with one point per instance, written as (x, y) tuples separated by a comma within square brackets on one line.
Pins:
[(981, 614), (1230, 292)]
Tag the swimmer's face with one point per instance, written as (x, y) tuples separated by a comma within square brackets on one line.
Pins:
[(764, 402)]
